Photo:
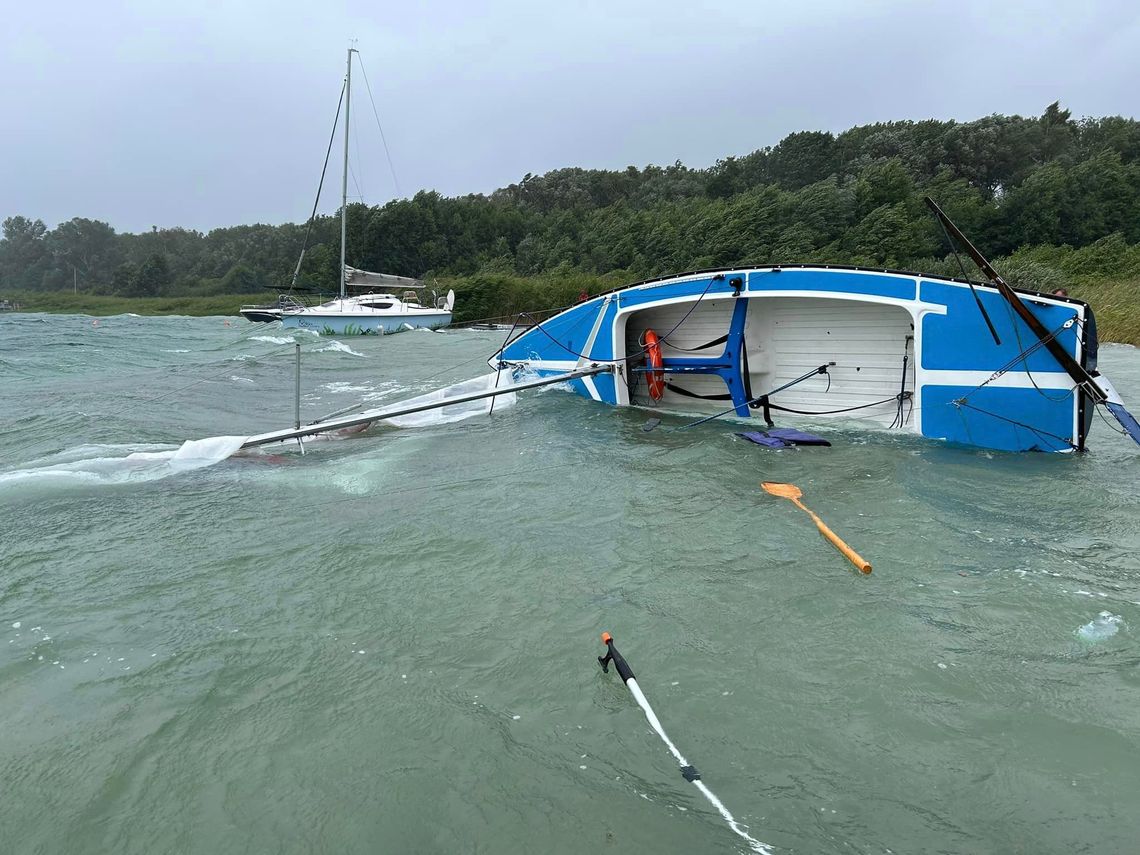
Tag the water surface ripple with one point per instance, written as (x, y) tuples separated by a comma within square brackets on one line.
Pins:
[(387, 644)]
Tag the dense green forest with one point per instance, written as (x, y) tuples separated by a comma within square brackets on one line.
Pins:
[(1056, 199)]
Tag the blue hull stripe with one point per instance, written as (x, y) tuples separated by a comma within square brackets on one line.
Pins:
[(959, 340), (1000, 418), (691, 288), (561, 337), (838, 281)]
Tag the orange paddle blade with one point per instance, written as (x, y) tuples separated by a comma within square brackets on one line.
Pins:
[(785, 491)]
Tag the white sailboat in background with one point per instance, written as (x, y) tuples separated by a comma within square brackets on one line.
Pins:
[(373, 312)]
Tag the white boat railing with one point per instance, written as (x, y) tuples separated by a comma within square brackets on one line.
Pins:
[(285, 302)]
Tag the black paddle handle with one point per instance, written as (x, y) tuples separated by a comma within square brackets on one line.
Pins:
[(612, 655)]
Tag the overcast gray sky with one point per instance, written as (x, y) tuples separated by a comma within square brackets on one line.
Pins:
[(211, 114)]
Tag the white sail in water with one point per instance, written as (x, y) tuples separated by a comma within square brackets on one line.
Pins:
[(370, 280)]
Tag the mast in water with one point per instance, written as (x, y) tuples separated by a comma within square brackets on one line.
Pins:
[(344, 178)]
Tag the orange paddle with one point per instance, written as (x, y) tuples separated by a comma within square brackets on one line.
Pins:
[(791, 491)]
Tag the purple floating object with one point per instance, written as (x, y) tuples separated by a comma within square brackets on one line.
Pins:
[(763, 439), (797, 437), (782, 438)]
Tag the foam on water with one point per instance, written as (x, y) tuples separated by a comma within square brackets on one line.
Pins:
[(338, 387), (1102, 627), (272, 339), (335, 346)]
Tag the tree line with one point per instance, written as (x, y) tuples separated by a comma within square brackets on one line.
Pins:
[(1039, 189)]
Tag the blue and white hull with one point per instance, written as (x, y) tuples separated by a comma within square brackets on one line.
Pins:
[(363, 324), (370, 314), (908, 352)]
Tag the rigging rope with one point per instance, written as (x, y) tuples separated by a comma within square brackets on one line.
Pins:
[(356, 184), (1024, 356), (977, 299), (903, 395), (499, 370), (514, 317), (961, 402), (759, 398), (359, 161), (320, 186), (644, 350), (1041, 342), (899, 421), (380, 127), (442, 370), (1111, 426)]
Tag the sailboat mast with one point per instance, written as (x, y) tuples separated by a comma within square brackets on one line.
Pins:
[(344, 178)]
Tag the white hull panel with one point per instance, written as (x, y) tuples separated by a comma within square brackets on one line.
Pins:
[(360, 323)]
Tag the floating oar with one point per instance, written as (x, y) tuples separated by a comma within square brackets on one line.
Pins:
[(688, 772), (791, 491)]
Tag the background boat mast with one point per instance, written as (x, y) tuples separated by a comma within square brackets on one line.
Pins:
[(344, 178)]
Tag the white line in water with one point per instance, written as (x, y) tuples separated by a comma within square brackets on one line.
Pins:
[(754, 844)]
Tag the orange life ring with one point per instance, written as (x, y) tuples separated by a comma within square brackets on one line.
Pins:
[(656, 373)]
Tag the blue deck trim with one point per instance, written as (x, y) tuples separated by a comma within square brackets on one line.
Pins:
[(960, 340), (727, 366), (944, 418), (839, 281), (561, 337), (716, 287)]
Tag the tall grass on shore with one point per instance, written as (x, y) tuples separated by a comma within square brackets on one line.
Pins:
[(502, 296)]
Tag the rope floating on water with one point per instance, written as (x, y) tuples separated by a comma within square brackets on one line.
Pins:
[(688, 771)]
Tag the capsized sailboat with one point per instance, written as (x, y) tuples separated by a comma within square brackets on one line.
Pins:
[(974, 364), (369, 311)]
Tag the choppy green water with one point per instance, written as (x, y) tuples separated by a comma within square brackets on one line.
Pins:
[(388, 645)]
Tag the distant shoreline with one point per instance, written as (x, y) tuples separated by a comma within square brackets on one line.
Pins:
[(1115, 302)]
